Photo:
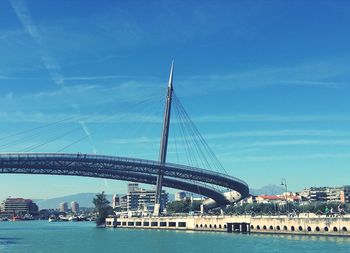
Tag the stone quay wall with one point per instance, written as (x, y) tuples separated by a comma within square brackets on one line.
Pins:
[(332, 226)]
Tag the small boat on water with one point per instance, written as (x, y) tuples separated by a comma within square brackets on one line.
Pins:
[(15, 218), (73, 218), (52, 219), (28, 217), (63, 218)]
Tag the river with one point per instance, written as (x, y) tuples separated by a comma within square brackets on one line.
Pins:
[(84, 237)]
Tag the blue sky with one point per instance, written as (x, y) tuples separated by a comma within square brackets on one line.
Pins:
[(266, 83)]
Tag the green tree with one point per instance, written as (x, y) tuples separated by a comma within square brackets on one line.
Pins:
[(44, 214), (316, 207), (183, 206), (102, 208), (178, 207), (196, 205)]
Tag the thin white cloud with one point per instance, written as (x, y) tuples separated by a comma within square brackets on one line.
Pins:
[(21, 116), (138, 140), (269, 118), (278, 133), (38, 117), (270, 134), (241, 158), (94, 78), (22, 12), (76, 90), (88, 134), (21, 9), (299, 142), (5, 77), (314, 73), (90, 95)]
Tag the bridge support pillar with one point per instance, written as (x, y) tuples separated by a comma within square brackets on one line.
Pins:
[(202, 209), (164, 142), (156, 210)]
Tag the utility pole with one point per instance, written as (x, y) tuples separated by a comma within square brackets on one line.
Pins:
[(164, 142)]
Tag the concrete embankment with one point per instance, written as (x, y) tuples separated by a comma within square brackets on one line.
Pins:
[(329, 226)]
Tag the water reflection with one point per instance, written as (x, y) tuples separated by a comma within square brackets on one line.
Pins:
[(8, 240), (334, 239)]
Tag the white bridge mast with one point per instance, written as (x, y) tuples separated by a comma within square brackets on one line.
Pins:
[(164, 142)]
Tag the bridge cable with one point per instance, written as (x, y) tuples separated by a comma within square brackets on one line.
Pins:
[(191, 140), (145, 123), (202, 140), (35, 146), (73, 143), (185, 141), (197, 139), (194, 140), (188, 147), (145, 104), (28, 137), (37, 128)]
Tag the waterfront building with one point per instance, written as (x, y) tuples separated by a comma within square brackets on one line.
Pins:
[(132, 187), (19, 206), (269, 199), (115, 201), (124, 203), (142, 199), (139, 199), (314, 194), (197, 198), (327, 194), (290, 197), (63, 207), (180, 196), (250, 200), (75, 207)]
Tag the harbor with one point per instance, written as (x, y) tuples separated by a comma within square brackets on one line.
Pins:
[(58, 237)]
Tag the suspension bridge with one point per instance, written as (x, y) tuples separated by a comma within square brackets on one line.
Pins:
[(219, 187)]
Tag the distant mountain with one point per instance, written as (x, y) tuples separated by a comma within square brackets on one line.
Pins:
[(84, 200), (270, 189)]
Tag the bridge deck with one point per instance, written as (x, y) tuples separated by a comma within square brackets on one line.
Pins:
[(201, 181)]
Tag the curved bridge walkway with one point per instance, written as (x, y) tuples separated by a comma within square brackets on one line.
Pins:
[(121, 168)]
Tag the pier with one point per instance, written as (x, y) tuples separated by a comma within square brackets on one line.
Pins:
[(303, 225)]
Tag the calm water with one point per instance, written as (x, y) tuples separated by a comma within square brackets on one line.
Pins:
[(42, 236)]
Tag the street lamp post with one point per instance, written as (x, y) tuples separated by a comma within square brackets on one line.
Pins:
[(284, 183)]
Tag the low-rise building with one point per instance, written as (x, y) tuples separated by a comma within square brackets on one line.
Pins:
[(269, 199), (19, 206), (327, 194), (124, 203), (290, 197), (115, 201), (180, 196)]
